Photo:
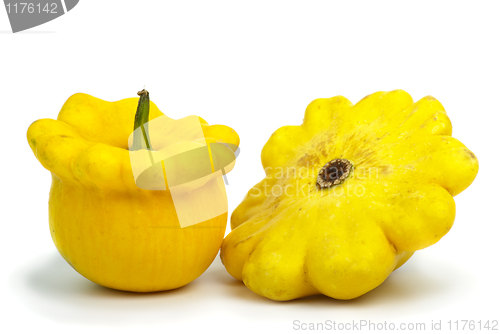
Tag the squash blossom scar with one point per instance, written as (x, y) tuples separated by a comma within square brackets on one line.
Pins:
[(334, 173)]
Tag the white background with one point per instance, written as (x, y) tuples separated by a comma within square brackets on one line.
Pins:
[(254, 67)]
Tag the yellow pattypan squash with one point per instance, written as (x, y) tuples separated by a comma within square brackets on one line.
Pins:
[(348, 197), (106, 227)]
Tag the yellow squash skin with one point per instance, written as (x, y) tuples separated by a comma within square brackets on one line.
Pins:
[(109, 230), (291, 239)]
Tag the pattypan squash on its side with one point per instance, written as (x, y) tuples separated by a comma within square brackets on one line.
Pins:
[(348, 196)]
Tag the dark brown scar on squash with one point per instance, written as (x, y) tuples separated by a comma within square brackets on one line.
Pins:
[(385, 170), (307, 159), (472, 155), (321, 147)]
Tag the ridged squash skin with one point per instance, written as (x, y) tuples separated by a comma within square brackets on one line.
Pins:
[(292, 239), (109, 230)]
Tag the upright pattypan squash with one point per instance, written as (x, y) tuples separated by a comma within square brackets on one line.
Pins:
[(105, 226), (348, 197)]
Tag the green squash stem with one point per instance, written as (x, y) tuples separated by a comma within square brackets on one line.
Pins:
[(141, 118)]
